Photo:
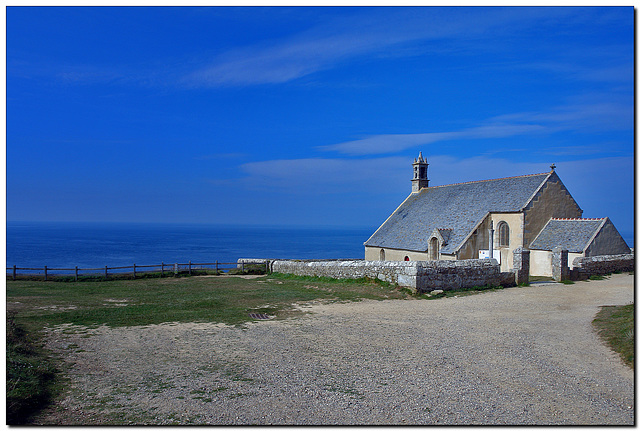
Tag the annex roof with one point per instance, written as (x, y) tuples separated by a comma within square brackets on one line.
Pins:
[(455, 207), (574, 234)]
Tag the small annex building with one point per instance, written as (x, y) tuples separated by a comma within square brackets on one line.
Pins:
[(581, 237), (460, 221)]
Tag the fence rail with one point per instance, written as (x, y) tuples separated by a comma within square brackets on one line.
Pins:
[(133, 270)]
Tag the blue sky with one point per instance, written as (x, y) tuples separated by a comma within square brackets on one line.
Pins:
[(309, 116)]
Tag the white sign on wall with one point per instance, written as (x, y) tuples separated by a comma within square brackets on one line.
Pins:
[(484, 254)]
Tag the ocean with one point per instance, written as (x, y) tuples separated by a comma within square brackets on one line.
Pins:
[(94, 245)]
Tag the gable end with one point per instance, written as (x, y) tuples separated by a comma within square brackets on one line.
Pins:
[(551, 200)]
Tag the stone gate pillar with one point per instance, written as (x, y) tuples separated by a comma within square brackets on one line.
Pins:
[(521, 265), (560, 264)]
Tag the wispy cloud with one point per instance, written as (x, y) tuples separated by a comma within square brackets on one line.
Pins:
[(374, 30), (276, 64), (583, 117), (389, 174), (374, 176), (381, 32), (588, 115), (392, 143), (324, 176), (587, 150)]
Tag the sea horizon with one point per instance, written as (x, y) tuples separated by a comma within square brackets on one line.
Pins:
[(62, 244), (89, 244)]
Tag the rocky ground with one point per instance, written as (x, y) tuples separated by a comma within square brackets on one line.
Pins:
[(517, 356)]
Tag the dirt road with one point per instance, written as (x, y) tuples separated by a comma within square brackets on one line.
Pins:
[(517, 356)]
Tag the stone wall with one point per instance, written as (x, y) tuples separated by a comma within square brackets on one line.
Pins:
[(584, 267), (418, 276), (257, 261), (392, 254), (401, 273), (461, 274), (248, 261)]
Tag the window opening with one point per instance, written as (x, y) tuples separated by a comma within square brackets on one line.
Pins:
[(434, 248), (503, 234)]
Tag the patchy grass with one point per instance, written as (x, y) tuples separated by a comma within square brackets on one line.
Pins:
[(168, 273), (35, 305), (31, 376), (190, 299), (615, 324), (147, 301)]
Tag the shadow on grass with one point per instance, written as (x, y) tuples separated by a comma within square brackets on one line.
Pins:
[(31, 375)]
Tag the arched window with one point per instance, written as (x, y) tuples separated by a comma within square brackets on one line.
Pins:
[(406, 258), (503, 234), (434, 248), (382, 254)]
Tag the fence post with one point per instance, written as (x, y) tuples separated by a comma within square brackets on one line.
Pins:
[(189, 267), (76, 272), (216, 266), (175, 269), (45, 273), (14, 273), (243, 267), (266, 266), (134, 271), (162, 270), (106, 275)]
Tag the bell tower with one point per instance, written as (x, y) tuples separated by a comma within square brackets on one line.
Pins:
[(420, 179)]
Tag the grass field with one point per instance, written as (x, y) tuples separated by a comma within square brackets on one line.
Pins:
[(615, 324), (35, 305), (32, 379), (190, 299)]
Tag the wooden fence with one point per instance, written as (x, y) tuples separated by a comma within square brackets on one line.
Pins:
[(134, 270)]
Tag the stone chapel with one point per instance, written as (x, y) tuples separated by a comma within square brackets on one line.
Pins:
[(491, 218)]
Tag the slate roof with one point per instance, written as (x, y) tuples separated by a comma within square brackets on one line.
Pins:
[(459, 207), (445, 234), (574, 234)]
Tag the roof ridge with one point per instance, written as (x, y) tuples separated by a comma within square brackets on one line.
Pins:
[(579, 218), (491, 179)]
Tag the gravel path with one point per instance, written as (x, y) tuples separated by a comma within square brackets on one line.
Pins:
[(516, 356)]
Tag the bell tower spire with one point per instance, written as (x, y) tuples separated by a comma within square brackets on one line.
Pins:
[(420, 179)]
